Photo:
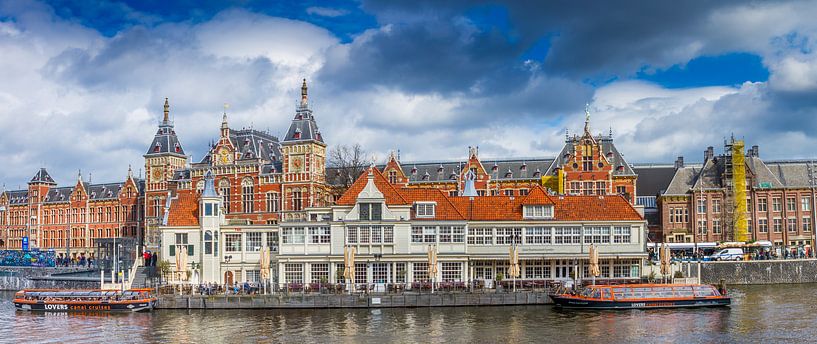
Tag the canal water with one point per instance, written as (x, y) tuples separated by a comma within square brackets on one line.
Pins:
[(758, 314)]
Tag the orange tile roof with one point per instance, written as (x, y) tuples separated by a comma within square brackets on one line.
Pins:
[(392, 196), (498, 208), (444, 210), (537, 196), (184, 211)]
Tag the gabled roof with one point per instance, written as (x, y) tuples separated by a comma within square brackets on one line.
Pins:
[(536, 196), (444, 209), (184, 210), (42, 177), (682, 181), (390, 194), (653, 180), (620, 166)]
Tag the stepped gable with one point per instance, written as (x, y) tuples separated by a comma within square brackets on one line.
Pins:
[(390, 194)]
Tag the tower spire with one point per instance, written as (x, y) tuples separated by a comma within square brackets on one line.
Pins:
[(166, 119), (304, 97), (225, 130)]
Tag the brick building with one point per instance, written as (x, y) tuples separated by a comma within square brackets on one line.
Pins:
[(70, 218), (701, 199), (586, 165)]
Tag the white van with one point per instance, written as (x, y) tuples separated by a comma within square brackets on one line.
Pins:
[(728, 254)]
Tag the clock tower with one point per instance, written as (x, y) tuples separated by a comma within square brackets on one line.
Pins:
[(163, 158), (304, 165)]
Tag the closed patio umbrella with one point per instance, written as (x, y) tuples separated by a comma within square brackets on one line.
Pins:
[(594, 262), (432, 265), (665, 261)]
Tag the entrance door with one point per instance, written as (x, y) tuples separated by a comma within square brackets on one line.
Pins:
[(228, 277)]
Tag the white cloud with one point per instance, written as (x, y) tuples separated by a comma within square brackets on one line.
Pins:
[(326, 11)]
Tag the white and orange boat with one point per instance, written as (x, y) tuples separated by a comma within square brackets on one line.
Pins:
[(50, 300), (642, 296)]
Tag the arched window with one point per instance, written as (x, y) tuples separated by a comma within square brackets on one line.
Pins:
[(208, 242), (297, 202), (247, 195), (224, 191)]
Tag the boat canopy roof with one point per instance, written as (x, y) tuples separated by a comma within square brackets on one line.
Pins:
[(83, 293)]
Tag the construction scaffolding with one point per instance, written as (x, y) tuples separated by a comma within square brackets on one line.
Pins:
[(739, 191)]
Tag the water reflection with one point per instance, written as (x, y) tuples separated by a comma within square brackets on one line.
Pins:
[(759, 313)]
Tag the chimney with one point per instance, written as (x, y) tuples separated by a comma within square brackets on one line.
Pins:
[(709, 153), (755, 152), (679, 163)]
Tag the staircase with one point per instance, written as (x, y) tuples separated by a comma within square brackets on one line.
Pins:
[(142, 276)]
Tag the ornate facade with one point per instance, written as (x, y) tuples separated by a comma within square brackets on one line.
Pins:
[(70, 218)]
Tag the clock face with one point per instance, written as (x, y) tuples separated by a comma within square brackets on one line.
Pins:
[(224, 156), (157, 173), (297, 163)]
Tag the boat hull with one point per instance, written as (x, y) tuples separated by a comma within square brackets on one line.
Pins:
[(563, 301), (141, 306)]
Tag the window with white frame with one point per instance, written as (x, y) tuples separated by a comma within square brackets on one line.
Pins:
[(702, 227), (253, 242), (458, 234), (763, 225), (272, 241), (702, 206), (451, 271), (622, 235), (319, 235), (716, 226), (777, 205), (400, 272), (273, 200), (377, 234), (445, 234), (293, 235), (351, 235), (420, 271), (247, 195), (388, 234), (232, 243), (380, 272), (791, 204), (596, 235), (370, 211), (536, 269), (417, 234), (360, 273), (762, 204), (538, 211), (425, 209), (508, 236), (716, 206), (253, 275), (480, 236), (363, 234), (777, 225), (320, 272), (806, 224), (791, 223), (567, 235), (294, 273), (805, 203), (537, 235)]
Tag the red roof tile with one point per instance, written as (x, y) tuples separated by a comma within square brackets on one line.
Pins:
[(184, 211), (444, 210), (537, 196), (391, 195)]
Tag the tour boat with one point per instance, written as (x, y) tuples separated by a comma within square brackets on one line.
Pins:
[(49, 300), (642, 296)]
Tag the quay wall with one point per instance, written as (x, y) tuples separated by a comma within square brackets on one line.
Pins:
[(282, 301), (759, 271), (16, 278)]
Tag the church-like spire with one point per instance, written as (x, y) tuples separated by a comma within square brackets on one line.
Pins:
[(225, 129), (166, 119), (304, 96)]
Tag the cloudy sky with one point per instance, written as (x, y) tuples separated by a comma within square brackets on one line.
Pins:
[(82, 82)]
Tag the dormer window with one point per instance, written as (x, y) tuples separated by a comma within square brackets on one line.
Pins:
[(425, 209), (413, 170), (157, 147), (538, 212), (178, 148), (297, 134)]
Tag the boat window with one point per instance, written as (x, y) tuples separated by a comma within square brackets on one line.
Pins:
[(683, 291), (596, 294), (705, 291), (606, 293)]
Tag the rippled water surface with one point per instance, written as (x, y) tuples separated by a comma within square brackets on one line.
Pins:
[(758, 314)]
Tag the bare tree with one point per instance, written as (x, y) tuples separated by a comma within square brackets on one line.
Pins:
[(346, 163)]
